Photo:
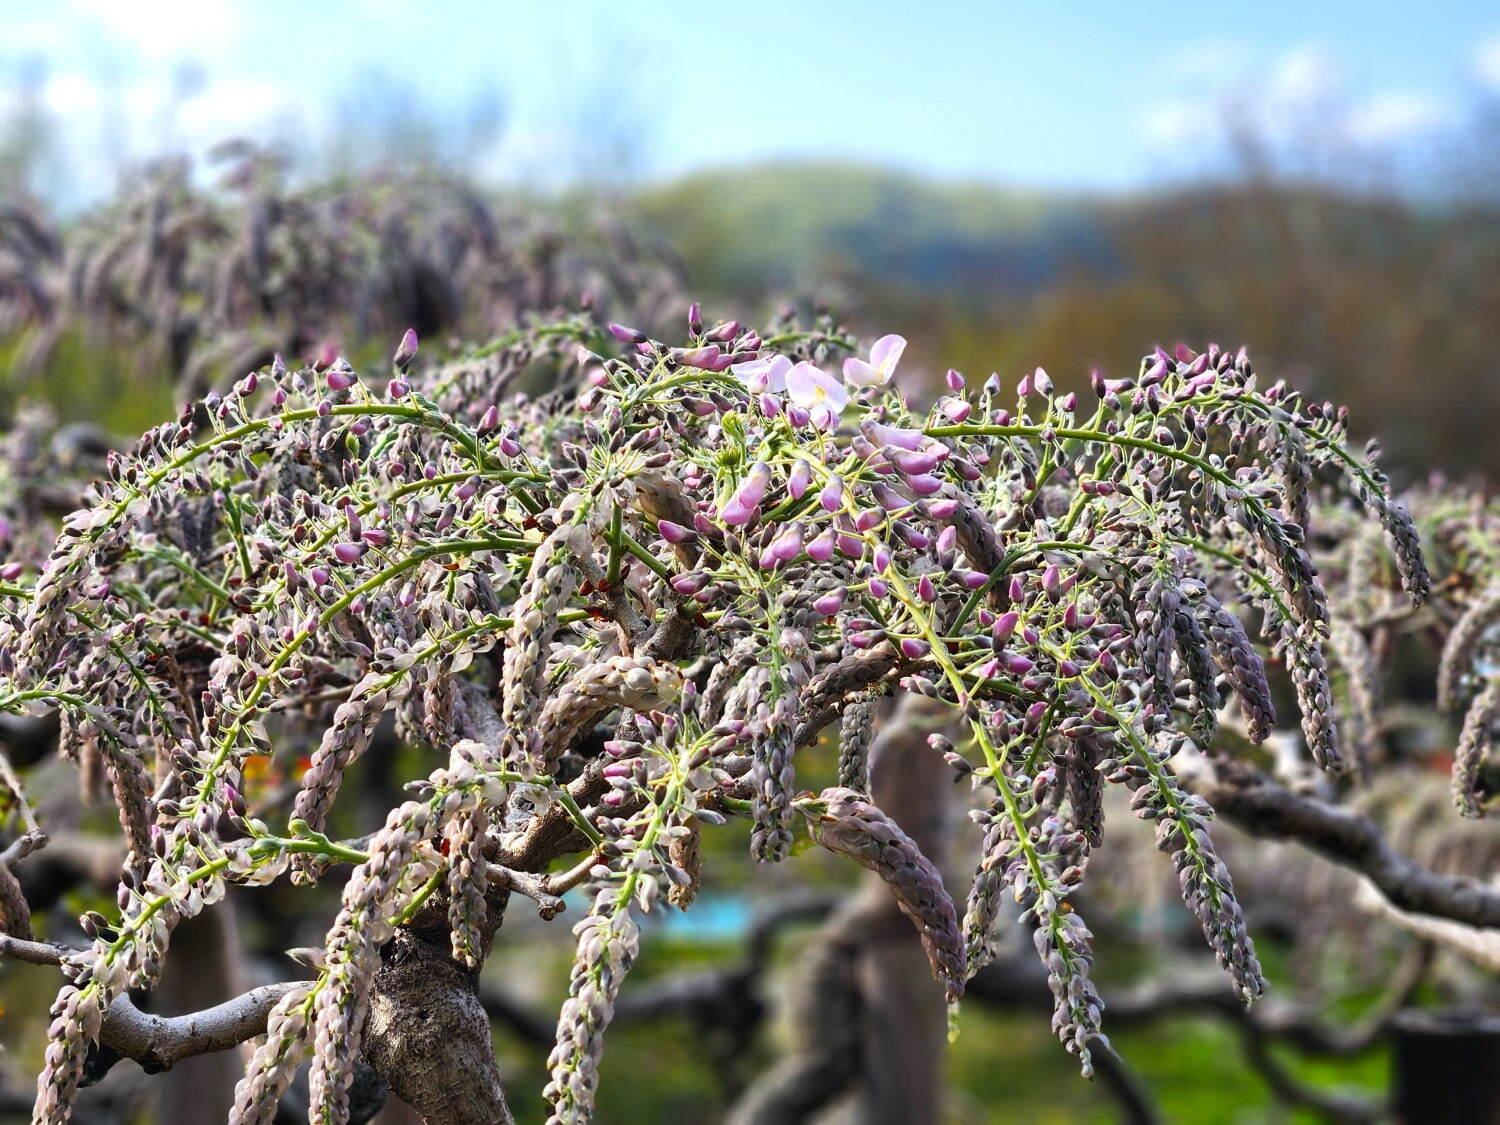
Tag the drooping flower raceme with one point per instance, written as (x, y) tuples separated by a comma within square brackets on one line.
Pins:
[(708, 548)]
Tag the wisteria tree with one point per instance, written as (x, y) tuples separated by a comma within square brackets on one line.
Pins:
[(612, 616)]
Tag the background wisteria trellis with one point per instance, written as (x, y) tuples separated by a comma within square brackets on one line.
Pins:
[(614, 615)]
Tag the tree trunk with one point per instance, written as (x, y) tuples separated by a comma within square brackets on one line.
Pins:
[(903, 1015)]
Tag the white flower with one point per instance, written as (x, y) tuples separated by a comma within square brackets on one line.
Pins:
[(885, 353)]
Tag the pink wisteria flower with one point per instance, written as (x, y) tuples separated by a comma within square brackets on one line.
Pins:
[(817, 392), (885, 353), (762, 375)]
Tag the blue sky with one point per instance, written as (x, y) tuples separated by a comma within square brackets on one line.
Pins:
[(1095, 95)]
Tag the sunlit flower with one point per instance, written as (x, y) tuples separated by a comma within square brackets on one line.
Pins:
[(816, 391), (762, 375), (885, 353)]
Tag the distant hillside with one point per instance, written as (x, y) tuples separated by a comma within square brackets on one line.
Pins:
[(771, 227), (1377, 301)]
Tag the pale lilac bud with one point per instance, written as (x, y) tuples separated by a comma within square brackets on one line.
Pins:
[(868, 520), (832, 496), (735, 514), (398, 388), (752, 489), (954, 379), (490, 419), (11, 571), (341, 377), (800, 479), (675, 532), (913, 464), (1041, 381), (924, 484), (627, 335), (820, 548), (406, 351), (913, 537), (703, 357), (830, 603), (1005, 625), (695, 318), (1052, 581), (914, 648), (878, 587), (939, 509), (888, 498), (690, 583), (925, 589), (956, 409), (319, 575), (885, 436), (786, 546), (349, 552)]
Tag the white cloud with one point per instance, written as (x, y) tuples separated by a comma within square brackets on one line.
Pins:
[(1207, 60), (1304, 75), (1183, 123), (1486, 62), (1397, 115), (164, 30), (1289, 99)]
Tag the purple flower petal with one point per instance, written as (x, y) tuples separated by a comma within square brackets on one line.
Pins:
[(810, 387), (858, 373), (768, 374), (800, 480), (820, 548), (885, 353), (830, 603), (914, 648), (752, 489), (884, 436)]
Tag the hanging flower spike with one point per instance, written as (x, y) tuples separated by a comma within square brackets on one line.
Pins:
[(885, 353)]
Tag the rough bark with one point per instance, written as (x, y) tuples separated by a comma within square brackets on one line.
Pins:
[(429, 1037), (428, 1034), (903, 1018), (1255, 803)]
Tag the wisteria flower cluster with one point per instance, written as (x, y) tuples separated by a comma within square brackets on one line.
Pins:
[(719, 551), (193, 283)]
